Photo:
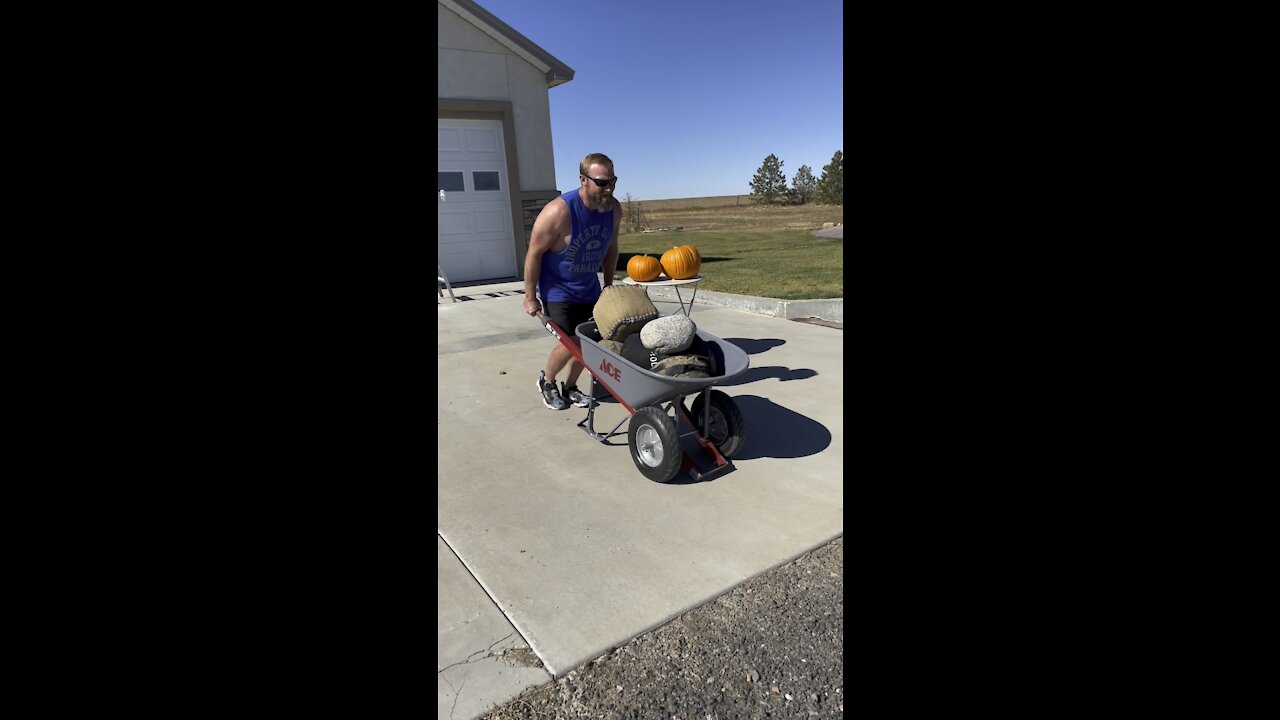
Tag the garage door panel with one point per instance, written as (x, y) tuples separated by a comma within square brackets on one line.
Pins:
[(476, 240), (460, 264), (488, 221), (495, 260), (449, 140), (482, 141), (455, 224)]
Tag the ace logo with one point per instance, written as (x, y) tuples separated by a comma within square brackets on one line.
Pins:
[(608, 369)]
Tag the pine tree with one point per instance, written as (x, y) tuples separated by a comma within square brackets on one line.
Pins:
[(831, 184), (769, 184), (803, 185)]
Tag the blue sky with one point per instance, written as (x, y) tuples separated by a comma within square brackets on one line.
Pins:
[(689, 96)]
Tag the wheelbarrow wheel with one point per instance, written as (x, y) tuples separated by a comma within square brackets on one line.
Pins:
[(728, 430), (655, 444)]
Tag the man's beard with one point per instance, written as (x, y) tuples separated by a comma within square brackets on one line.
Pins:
[(601, 202)]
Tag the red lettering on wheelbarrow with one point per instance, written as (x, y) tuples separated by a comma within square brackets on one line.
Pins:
[(608, 369)]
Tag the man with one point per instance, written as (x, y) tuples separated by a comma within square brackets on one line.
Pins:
[(574, 237)]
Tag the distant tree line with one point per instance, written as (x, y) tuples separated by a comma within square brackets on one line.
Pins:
[(769, 186)]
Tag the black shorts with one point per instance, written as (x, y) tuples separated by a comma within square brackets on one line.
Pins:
[(568, 316)]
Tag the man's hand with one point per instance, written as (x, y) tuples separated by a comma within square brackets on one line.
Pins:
[(532, 307)]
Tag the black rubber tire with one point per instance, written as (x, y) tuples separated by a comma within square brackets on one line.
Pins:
[(655, 444), (728, 429)]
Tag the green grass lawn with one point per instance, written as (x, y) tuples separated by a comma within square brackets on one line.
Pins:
[(783, 264)]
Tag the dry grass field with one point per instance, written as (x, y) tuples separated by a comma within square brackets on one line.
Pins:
[(747, 249), (731, 212)]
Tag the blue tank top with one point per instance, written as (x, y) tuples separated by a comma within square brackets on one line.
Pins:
[(570, 276)]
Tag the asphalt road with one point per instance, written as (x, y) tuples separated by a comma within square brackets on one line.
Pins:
[(772, 647)]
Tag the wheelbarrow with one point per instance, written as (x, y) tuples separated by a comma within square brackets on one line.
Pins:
[(657, 410)]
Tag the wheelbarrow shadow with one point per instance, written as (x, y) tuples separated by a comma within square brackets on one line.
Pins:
[(778, 432), (754, 346), (765, 372), (772, 431)]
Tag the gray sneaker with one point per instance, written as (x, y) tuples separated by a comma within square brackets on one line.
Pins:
[(550, 394), (575, 396)]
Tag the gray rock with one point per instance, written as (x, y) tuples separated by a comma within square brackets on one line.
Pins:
[(668, 335)]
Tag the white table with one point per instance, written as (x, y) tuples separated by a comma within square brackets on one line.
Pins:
[(664, 281)]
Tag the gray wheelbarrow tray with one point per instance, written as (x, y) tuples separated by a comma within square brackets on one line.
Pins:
[(655, 404)]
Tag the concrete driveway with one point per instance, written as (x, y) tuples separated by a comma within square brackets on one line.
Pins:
[(553, 549)]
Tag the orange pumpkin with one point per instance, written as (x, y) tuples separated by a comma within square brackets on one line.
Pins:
[(643, 268), (696, 254), (681, 263)]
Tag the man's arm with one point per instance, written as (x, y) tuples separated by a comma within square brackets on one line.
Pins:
[(541, 239), (611, 255)]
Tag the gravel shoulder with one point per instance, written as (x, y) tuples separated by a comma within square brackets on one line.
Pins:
[(771, 647)]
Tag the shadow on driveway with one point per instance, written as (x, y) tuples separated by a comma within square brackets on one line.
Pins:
[(754, 347), (765, 372)]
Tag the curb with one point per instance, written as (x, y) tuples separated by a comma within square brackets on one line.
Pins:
[(831, 310)]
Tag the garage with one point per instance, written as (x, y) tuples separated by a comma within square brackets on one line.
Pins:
[(495, 162), (474, 202)]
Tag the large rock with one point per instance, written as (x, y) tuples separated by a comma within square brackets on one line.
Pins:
[(668, 335)]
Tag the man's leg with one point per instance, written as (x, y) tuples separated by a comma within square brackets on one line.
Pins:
[(560, 356), (575, 369), (548, 388), (578, 315)]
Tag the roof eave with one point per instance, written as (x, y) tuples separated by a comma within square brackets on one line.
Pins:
[(557, 73)]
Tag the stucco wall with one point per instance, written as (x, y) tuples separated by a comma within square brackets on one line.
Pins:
[(474, 66)]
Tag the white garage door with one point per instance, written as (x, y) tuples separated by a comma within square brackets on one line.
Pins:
[(476, 241)]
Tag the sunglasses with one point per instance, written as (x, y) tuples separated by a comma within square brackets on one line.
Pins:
[(602, 183)]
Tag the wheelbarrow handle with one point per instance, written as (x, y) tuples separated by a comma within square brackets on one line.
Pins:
[(547, 324), (551, 327)]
